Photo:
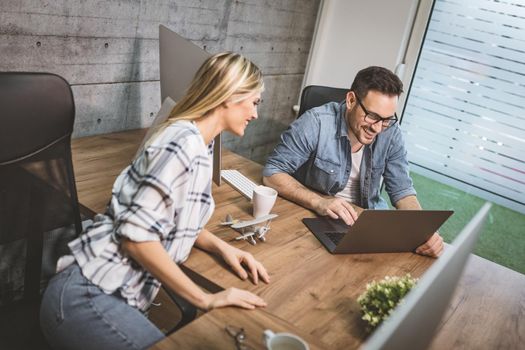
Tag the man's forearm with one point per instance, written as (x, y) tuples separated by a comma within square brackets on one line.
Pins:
[(408, 202), (293, 190)]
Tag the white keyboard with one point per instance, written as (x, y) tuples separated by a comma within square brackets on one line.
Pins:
[(239, 182)]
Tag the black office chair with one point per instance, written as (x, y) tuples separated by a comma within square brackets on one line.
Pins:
[(39, 211), (316, 95)]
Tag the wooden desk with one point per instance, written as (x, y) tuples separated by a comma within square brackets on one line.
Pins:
[(208, 331), (98, 160), (312, 289)]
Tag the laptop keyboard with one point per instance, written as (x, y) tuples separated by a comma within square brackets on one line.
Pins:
[(335, 237)]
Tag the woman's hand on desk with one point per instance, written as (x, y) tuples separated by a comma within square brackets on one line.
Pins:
[(235, 297), (240, 261)]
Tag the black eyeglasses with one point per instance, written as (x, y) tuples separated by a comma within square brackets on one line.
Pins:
[(374, 118)]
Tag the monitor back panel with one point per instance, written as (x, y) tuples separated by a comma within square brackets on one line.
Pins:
[(179, 60), (414, 321)]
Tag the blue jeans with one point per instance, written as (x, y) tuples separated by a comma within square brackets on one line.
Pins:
[(76, 314)]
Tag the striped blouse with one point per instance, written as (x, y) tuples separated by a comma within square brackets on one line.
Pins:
[(164, 195)]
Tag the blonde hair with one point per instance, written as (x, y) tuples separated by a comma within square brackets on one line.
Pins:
[(223, 77)]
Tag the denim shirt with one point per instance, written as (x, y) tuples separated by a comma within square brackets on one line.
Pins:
[(316, 151)]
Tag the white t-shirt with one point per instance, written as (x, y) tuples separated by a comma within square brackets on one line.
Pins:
[(352, 190)]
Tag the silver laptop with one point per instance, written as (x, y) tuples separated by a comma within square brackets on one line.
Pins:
[(378, 231), (413, 323), (179, 61)]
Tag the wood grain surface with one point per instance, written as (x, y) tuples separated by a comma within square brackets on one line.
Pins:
[(208, 332), (311, 289)]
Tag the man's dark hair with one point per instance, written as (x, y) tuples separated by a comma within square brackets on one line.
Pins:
[(379, 79)]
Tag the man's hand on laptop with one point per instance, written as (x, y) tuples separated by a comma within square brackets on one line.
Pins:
[(337, 208), (433, 247)]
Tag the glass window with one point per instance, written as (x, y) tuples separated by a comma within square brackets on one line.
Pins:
[(464, 121)]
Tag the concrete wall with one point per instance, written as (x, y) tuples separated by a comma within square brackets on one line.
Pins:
[(108, 51)]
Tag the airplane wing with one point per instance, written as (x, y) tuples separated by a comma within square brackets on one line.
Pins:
[(254, 221)]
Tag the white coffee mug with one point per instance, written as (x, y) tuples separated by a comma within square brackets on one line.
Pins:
[(283, 341), (263, 200)]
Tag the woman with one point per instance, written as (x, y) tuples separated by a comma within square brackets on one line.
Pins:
[(158, 209)]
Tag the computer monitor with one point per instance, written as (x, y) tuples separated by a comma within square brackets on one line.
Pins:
[(414, 321), (179, 61)]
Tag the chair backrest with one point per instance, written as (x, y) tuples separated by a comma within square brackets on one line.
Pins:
[(316, 95), (39, 208)]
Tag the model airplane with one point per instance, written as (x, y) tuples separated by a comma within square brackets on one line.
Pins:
[(250, 229)]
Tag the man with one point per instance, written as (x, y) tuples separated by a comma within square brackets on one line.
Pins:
[(342, 149)]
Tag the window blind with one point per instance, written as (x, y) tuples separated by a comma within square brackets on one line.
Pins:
[(464, 118)]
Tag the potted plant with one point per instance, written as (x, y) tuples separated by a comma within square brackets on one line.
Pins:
[(380, 298)]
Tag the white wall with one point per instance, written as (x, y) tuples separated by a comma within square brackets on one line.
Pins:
[(354, 34)]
